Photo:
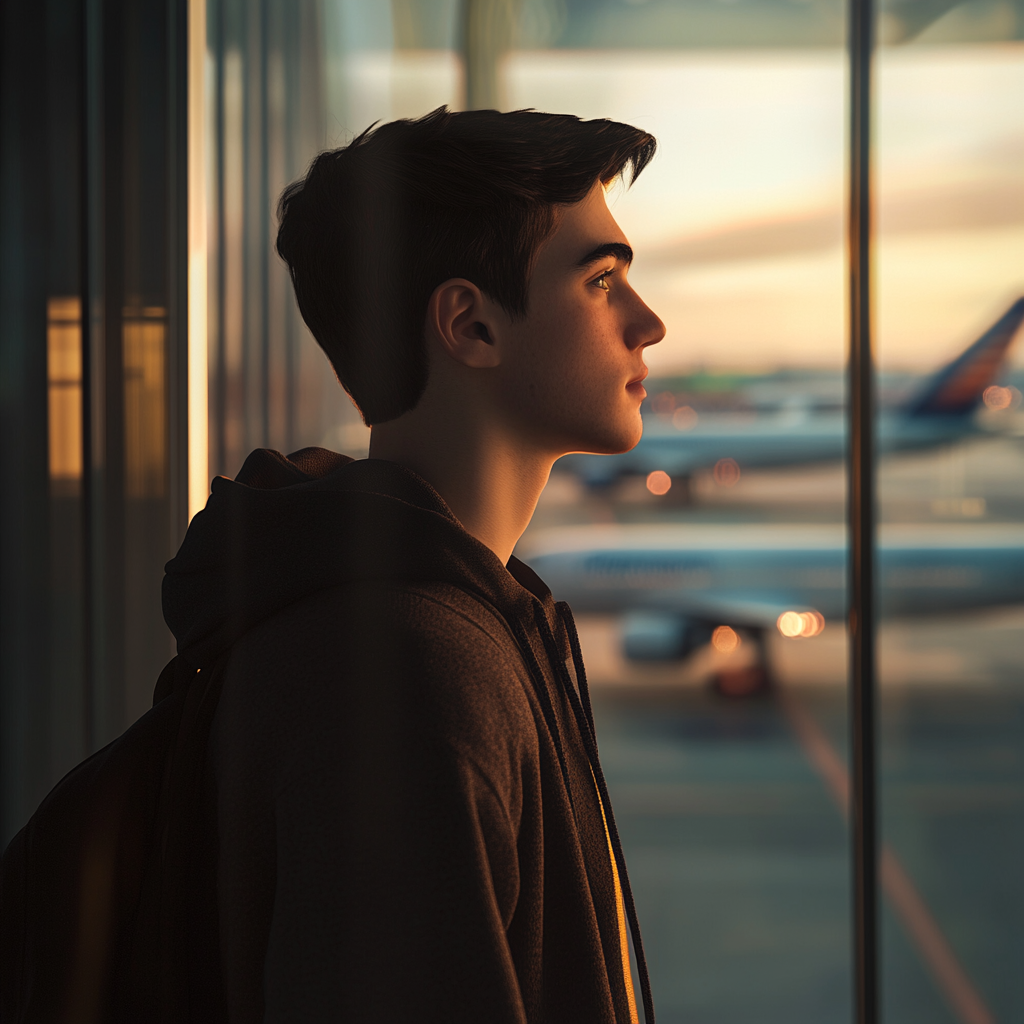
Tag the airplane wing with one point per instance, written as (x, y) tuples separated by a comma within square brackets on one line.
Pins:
[(739, 610), (671, 631)]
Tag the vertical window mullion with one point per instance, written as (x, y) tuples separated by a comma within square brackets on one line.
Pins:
[(861, 510)]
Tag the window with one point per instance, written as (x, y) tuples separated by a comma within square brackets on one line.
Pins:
[(735, 799)]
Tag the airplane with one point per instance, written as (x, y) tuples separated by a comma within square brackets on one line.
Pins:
[(938, 413), (680, 586)]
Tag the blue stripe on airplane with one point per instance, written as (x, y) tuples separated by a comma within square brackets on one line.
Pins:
[(747, 575)]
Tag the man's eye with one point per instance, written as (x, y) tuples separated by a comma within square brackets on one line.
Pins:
[(602, 281)]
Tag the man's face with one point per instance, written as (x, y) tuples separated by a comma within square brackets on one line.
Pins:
[(572, 368)]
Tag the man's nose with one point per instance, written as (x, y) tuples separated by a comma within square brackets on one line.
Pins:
[(646, 327)]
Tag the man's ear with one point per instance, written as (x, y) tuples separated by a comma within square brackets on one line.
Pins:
[(461, 319)]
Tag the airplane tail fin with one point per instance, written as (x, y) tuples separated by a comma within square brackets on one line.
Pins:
[(957, 388)]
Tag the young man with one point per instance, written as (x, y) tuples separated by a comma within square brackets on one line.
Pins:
[(412, 822)]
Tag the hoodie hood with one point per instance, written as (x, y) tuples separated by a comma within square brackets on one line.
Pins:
[(287, 527)]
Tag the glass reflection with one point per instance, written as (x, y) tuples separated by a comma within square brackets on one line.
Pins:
[(64, 402)]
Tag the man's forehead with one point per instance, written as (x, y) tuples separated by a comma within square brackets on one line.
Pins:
[(584, 233)]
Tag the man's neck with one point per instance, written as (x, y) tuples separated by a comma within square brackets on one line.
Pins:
[(490, 480)]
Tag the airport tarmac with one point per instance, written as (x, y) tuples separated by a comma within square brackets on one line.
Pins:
[(738, 853), (731, 811)]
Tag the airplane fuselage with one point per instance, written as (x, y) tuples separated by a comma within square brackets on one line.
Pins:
[(760, 441), (940, 412), (745, 575)]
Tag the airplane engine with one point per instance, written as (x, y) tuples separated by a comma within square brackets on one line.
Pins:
[(661, 636)]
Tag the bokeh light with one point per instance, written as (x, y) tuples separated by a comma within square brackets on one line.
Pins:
[(659, 482), (790, 624), (663, 403), (800, 624), (684, 418), (999, 398), (725, 639), (726, 472)]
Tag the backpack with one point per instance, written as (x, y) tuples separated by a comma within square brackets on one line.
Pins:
[(108, 909)]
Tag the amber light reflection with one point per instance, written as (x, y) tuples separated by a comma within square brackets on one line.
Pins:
[(64, 387), (145, 407)]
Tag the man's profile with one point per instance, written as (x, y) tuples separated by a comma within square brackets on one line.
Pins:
[(410, 822), (402, 814)]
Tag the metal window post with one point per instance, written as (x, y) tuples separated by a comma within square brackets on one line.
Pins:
[(861, 498)]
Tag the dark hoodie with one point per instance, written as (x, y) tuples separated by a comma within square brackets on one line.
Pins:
[(411, 818)]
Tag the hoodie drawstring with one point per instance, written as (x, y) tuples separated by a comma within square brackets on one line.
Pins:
[(545, 704), (583, 709), (584, 715)]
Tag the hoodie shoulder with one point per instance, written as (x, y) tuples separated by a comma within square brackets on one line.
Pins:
[(423, 665)]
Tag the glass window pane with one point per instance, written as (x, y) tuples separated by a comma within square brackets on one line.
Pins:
[(680, 557), (950, 159), (709, 582)]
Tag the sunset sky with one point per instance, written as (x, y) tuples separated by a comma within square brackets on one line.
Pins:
[(738, 223)]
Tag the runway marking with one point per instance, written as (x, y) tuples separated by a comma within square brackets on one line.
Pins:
[(904, 898)]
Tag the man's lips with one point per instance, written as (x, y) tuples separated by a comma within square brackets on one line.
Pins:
[(638, 381)]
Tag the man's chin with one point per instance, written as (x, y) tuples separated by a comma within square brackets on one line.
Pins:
[(609, 443)]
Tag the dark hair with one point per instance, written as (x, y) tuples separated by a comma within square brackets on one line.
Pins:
[(377, 225)]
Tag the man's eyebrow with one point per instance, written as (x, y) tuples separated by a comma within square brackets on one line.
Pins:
[(619, 250)]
